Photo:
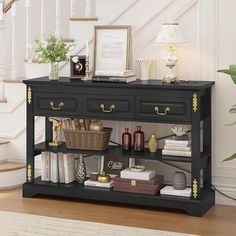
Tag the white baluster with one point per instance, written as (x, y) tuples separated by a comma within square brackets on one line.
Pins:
[(72, 8), (13, 15), (58, 19), (42, 24), (2, 49), (90, 9), (28, 46)]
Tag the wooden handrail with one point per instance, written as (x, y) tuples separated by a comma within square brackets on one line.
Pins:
[(8, 6)]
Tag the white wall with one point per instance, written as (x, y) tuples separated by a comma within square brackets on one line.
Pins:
[(209, 29)]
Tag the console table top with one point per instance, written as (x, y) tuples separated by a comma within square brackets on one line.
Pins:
[(154, 84)]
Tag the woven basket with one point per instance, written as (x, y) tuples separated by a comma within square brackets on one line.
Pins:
[(88, 140)]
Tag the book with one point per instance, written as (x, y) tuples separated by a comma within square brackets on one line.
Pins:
[(144, 175), (170, 191), (61, 168), (177, 148), (43, 165), (115, 73), (178, 142), (69, 167), (115, 79), (47, 166), (98, 184), (54, 168), (176, 153)]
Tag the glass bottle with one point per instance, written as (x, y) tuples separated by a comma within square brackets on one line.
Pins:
[(138, 140), (80, 169), (126, 140)]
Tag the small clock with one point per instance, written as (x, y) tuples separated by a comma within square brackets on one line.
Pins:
[(77, 67)]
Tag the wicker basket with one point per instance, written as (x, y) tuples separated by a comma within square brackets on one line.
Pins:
[(88, 140)]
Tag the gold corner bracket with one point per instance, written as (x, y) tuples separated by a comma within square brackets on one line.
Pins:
[(195, 102), (29, 173), (29, 95), (195, 186)]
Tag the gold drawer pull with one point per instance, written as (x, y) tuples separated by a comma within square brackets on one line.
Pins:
[(111, 109), (167, 109), (61, 104)]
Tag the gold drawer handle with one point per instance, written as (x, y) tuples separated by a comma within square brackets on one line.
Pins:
[(167, 109), (111, 109), (61, 104)]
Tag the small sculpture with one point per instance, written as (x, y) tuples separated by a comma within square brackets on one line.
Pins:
[(56, 129), (180, 133)]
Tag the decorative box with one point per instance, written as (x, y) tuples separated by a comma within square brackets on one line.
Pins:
[(150, 187), (144, 175)]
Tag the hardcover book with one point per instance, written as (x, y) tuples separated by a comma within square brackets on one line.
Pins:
[(98, 184), (54, 168), (69, 167)]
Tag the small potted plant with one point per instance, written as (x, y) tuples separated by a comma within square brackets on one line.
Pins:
[(51, 51), (232, 72)]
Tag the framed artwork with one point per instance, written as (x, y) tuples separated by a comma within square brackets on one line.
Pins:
[(111, 49), (77, 67)]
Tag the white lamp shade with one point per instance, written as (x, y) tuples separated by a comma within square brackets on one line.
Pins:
[(170, 33)]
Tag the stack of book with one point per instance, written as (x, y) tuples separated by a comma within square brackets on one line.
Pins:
[(177, 148), (58, 167), (126, 76), (144, 182), (171, 191)]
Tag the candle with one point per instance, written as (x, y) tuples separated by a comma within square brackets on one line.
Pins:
[(87, 48)]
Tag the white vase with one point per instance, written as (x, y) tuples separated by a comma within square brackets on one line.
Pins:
[(144, 65)]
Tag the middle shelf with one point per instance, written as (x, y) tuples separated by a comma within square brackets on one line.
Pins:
[(117, 151)]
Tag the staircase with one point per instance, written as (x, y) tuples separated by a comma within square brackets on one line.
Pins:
[(22, 21)]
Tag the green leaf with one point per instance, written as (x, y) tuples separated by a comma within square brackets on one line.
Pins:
[(231, 71), (231, 124), (231, 157), (232, 110)]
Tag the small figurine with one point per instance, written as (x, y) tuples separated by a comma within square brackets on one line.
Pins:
[(56, 129)]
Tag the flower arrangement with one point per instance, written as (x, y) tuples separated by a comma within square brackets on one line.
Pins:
[(51, 51)]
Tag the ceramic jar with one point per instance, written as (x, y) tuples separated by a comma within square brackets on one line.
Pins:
[(179, 180), (152, 144)]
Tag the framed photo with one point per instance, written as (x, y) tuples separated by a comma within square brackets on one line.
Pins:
[(111, 49), (77, 67), (114, 166)]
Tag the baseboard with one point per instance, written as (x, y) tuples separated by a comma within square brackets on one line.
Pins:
[(228, 190)]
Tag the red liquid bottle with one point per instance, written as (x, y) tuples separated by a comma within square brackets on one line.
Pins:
[(126, 140), (138, 140)]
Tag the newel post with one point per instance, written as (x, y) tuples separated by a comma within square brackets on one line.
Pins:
[(2, 49), (13, 15)]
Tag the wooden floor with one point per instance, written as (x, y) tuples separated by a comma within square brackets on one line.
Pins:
[(220, 220)]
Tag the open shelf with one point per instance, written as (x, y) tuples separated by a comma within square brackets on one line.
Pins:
[(117, 151), (78, 191)]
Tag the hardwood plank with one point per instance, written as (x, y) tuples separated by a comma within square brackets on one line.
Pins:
[(3, 100), (218, 221)]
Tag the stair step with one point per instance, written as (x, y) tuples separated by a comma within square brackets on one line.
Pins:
[(10, 166), (2, 142), (13, 81), (3, 100), (83, 19), (68, 40)]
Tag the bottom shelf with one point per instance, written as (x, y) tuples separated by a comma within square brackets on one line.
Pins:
[(77, 191)]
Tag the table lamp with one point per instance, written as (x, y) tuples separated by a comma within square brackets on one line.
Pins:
[(170, 34)]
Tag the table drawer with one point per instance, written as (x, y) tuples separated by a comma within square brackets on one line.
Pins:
[(56, 104), (108, 106), (163, 109)]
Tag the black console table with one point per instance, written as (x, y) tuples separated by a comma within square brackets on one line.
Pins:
[(189, 103)]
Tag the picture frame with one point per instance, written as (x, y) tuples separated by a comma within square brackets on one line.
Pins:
[(77, 66), (114, 165), (112, 44)]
